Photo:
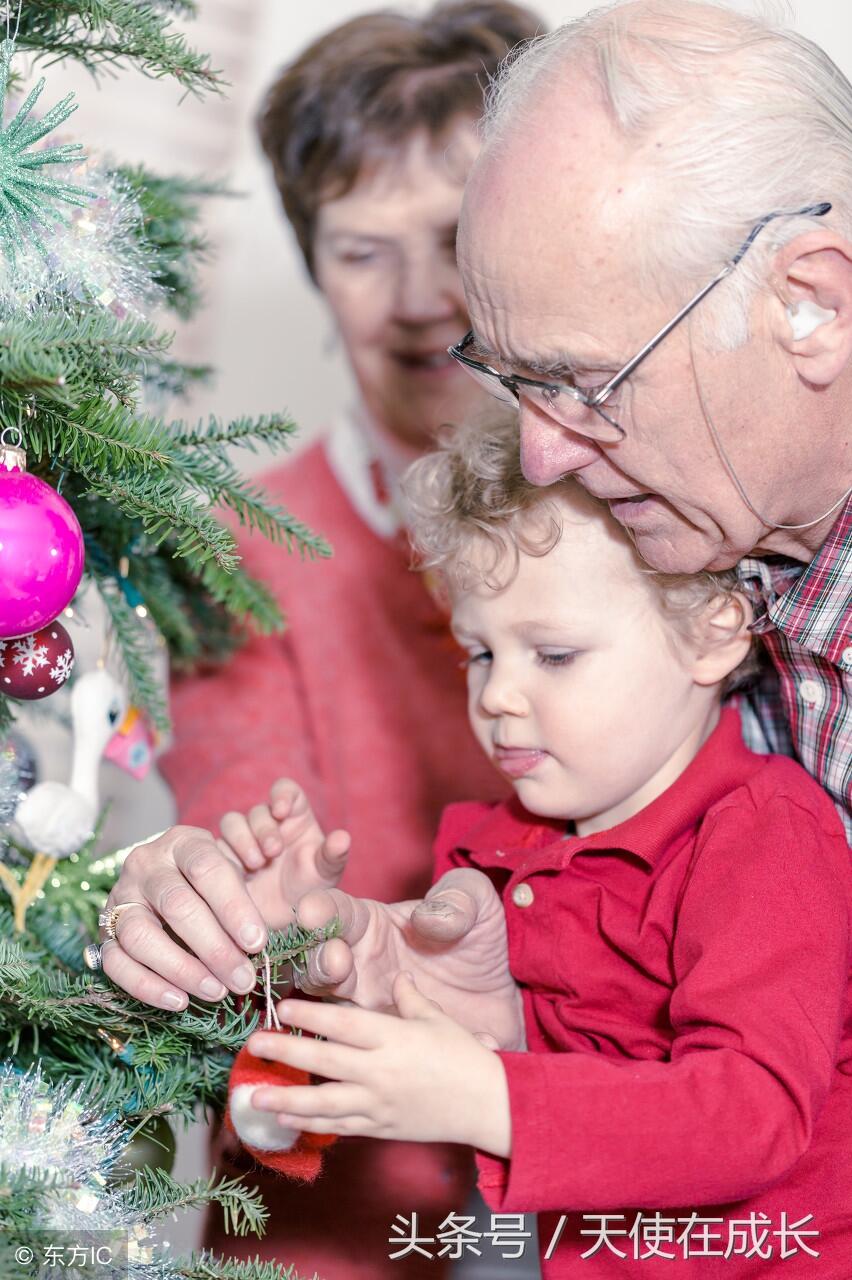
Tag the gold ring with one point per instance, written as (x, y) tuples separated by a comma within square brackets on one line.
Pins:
[(108, 918)]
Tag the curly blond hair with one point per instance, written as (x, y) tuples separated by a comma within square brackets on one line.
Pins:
[(471, 494)]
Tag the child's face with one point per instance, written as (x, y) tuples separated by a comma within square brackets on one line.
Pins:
[(579, 688)]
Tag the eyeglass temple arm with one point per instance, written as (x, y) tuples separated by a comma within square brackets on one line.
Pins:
[(812, 210), (658, 337)]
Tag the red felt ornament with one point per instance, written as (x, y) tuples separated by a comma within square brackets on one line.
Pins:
[(297, 1155), (35, 666)]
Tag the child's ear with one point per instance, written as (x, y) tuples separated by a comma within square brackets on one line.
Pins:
[(721, 637)]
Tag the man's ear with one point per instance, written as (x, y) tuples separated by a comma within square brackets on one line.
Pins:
[(721, 638), (812, 278)]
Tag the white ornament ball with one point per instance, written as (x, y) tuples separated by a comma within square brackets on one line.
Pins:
[(259, 1129)]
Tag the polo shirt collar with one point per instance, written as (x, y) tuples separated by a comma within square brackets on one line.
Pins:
[(723, 764), (816, 609)]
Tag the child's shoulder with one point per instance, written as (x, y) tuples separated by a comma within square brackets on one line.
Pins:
[(778, 804), (787, 784)]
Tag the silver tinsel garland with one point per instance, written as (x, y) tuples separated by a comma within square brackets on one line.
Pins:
[(96, 256), (46, 1131)]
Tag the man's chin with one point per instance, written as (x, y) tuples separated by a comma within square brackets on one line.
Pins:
[(682, 550)]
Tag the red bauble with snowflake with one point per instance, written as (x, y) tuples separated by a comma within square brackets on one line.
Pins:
[(35, 666)]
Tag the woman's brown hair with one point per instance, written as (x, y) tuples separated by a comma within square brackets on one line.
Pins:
[(364, 88)]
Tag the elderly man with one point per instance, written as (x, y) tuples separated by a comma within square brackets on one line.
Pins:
[(655, 247), (636, 160)]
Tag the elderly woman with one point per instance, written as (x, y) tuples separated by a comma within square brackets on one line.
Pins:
[(370, 134)]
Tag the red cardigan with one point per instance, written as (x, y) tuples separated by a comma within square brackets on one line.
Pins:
[(363, 702)]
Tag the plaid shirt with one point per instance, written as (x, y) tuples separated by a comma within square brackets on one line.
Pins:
[(804, 615)]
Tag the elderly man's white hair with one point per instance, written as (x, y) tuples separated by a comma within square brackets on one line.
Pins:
[(753, 119)]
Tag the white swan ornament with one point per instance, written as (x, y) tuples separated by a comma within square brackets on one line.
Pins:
[(57, 818)]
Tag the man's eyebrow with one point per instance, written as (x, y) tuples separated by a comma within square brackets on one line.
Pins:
[(559, 363)]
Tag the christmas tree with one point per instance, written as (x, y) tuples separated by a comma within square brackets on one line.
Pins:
[(88, 252), (98, 487)]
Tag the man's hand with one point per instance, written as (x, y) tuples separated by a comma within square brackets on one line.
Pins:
[(198, 917), (418, 1076), (453, 942)]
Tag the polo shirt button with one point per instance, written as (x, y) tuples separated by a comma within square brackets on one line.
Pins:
[(846, 655), (498, 853), (810, 691), (522, 895)]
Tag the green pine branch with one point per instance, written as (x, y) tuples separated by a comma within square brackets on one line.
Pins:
[(134, 1060), (166, 507), (95, 435), (214, 474), (67, 357), (7, 719), (204, 1266), (105, 34), (170, 208), (135, 647), (242, 596), (155, 1194), (247, 433)]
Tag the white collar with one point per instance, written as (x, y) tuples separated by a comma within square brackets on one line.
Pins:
[(361, 468)]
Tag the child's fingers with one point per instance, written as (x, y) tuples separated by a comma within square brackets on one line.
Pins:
[(318, 1057), (287, 799), (264, 828), (410, 1002), (333, 854), (238, 836), (343, 1126), (345, 1024), (304, 1103)]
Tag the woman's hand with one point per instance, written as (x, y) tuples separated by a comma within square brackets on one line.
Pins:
[(196, 918), (418, 1076)]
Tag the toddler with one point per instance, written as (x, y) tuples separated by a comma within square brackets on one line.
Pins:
[(650, 1044)]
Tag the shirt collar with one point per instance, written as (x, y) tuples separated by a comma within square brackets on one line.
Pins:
[(815, 610), (367, 470), (723, 764)]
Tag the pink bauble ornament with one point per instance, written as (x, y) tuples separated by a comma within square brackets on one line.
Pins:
[(33, 667), (41, 548)]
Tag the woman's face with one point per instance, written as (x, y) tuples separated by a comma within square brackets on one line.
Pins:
[(385, 256)]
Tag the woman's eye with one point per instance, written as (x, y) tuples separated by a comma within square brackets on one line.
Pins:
[(356, 258), (556, 658)]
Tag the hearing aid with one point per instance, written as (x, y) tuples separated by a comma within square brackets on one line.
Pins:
[(805, 317)]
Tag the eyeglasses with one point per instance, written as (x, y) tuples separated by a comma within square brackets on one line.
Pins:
[(557, 399)]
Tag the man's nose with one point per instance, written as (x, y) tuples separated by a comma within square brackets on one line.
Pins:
[(549, 450)]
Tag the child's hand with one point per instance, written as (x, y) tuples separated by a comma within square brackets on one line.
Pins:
[(285, 825), (419, 1077)]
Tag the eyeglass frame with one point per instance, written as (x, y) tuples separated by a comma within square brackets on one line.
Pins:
[(512, 381)]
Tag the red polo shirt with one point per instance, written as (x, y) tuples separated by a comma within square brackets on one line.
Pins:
[(686, 981)]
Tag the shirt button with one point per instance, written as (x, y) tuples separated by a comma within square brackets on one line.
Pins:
[(498, 853), (810, 691), (846, 655), (522, 895)]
